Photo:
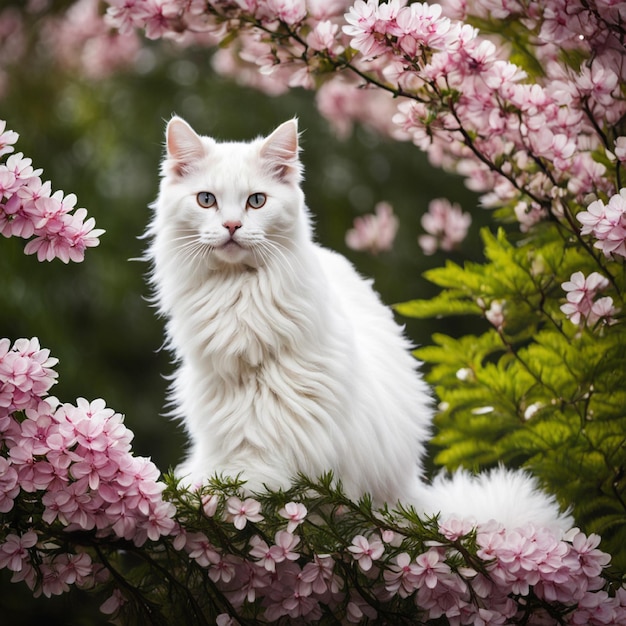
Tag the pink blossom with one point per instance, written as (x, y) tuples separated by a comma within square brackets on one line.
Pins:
[(317, 576), (365, 552), (113, 603), (581, 304), (283, 549), (402, 578), (265, 555), (224, 570), (620, 148), (241, 512), (224, 619), (14, 551), (592, 561), (9, 487), (323, 37), (430, 568), (289, 11), (295, 512), (362, 26), (81, 41), (248, 581), (374, 233), (26, 373), (454, 528), (126, 14), (607, 223), (7, 139), (200, 548), (359, 610), (74, 569), (446, 225), (209, 504)]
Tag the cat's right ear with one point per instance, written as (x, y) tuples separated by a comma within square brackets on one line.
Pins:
[(184, 146)]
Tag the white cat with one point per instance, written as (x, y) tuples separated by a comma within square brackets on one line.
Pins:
[(287, 360)]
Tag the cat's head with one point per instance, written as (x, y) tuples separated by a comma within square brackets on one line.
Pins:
[(231, 203)]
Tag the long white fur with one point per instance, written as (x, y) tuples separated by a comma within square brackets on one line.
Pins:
[(287, 360)]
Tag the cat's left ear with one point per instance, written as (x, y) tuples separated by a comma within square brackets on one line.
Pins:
[(184, 145), (280, 152)]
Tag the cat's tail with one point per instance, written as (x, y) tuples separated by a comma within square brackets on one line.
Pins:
[(510, 497)]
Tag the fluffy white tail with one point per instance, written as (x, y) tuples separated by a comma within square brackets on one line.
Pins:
[(512, 498)]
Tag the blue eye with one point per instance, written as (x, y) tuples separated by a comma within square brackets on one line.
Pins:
[(256, 200), (206, 199)]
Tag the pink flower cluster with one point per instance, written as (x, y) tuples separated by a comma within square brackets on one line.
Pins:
[(374, 233), (562, 572), (268, 573), (582, 304), (526, 143), (529, 144), (29, 208), (517, 562), (76, 460), (607, 224), (446, 225)]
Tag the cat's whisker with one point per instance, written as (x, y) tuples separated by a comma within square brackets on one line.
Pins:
[(274, 251), (192, 250)]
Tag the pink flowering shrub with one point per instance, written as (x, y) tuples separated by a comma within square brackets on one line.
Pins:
[(66, 469)]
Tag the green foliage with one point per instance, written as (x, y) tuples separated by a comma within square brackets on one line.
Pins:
[(534, 389)]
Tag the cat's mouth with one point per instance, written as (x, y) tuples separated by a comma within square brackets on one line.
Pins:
[(231, 243)]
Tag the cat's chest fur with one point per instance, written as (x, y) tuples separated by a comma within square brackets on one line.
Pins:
[(239, 320), (261, 365)]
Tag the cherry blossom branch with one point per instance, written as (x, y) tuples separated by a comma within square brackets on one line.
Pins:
[(29, 208)]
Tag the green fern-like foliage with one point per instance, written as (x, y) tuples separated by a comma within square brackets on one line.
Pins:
[(534, 390)]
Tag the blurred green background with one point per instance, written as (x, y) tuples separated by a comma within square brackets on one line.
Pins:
[(103, 142)]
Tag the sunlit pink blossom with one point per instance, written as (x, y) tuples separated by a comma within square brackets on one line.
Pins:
[(363, 20)]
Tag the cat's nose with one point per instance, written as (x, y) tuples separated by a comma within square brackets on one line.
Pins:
[(232, 226)]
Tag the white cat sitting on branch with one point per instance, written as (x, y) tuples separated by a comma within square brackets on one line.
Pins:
[(288, 362)]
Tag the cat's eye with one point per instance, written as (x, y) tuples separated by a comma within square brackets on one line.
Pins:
[(256, 200), (206, 199)]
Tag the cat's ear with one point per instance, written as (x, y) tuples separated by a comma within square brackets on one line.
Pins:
[(280, 152), (184, 146)]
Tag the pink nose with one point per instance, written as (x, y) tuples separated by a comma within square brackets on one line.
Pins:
[(232, 226)]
